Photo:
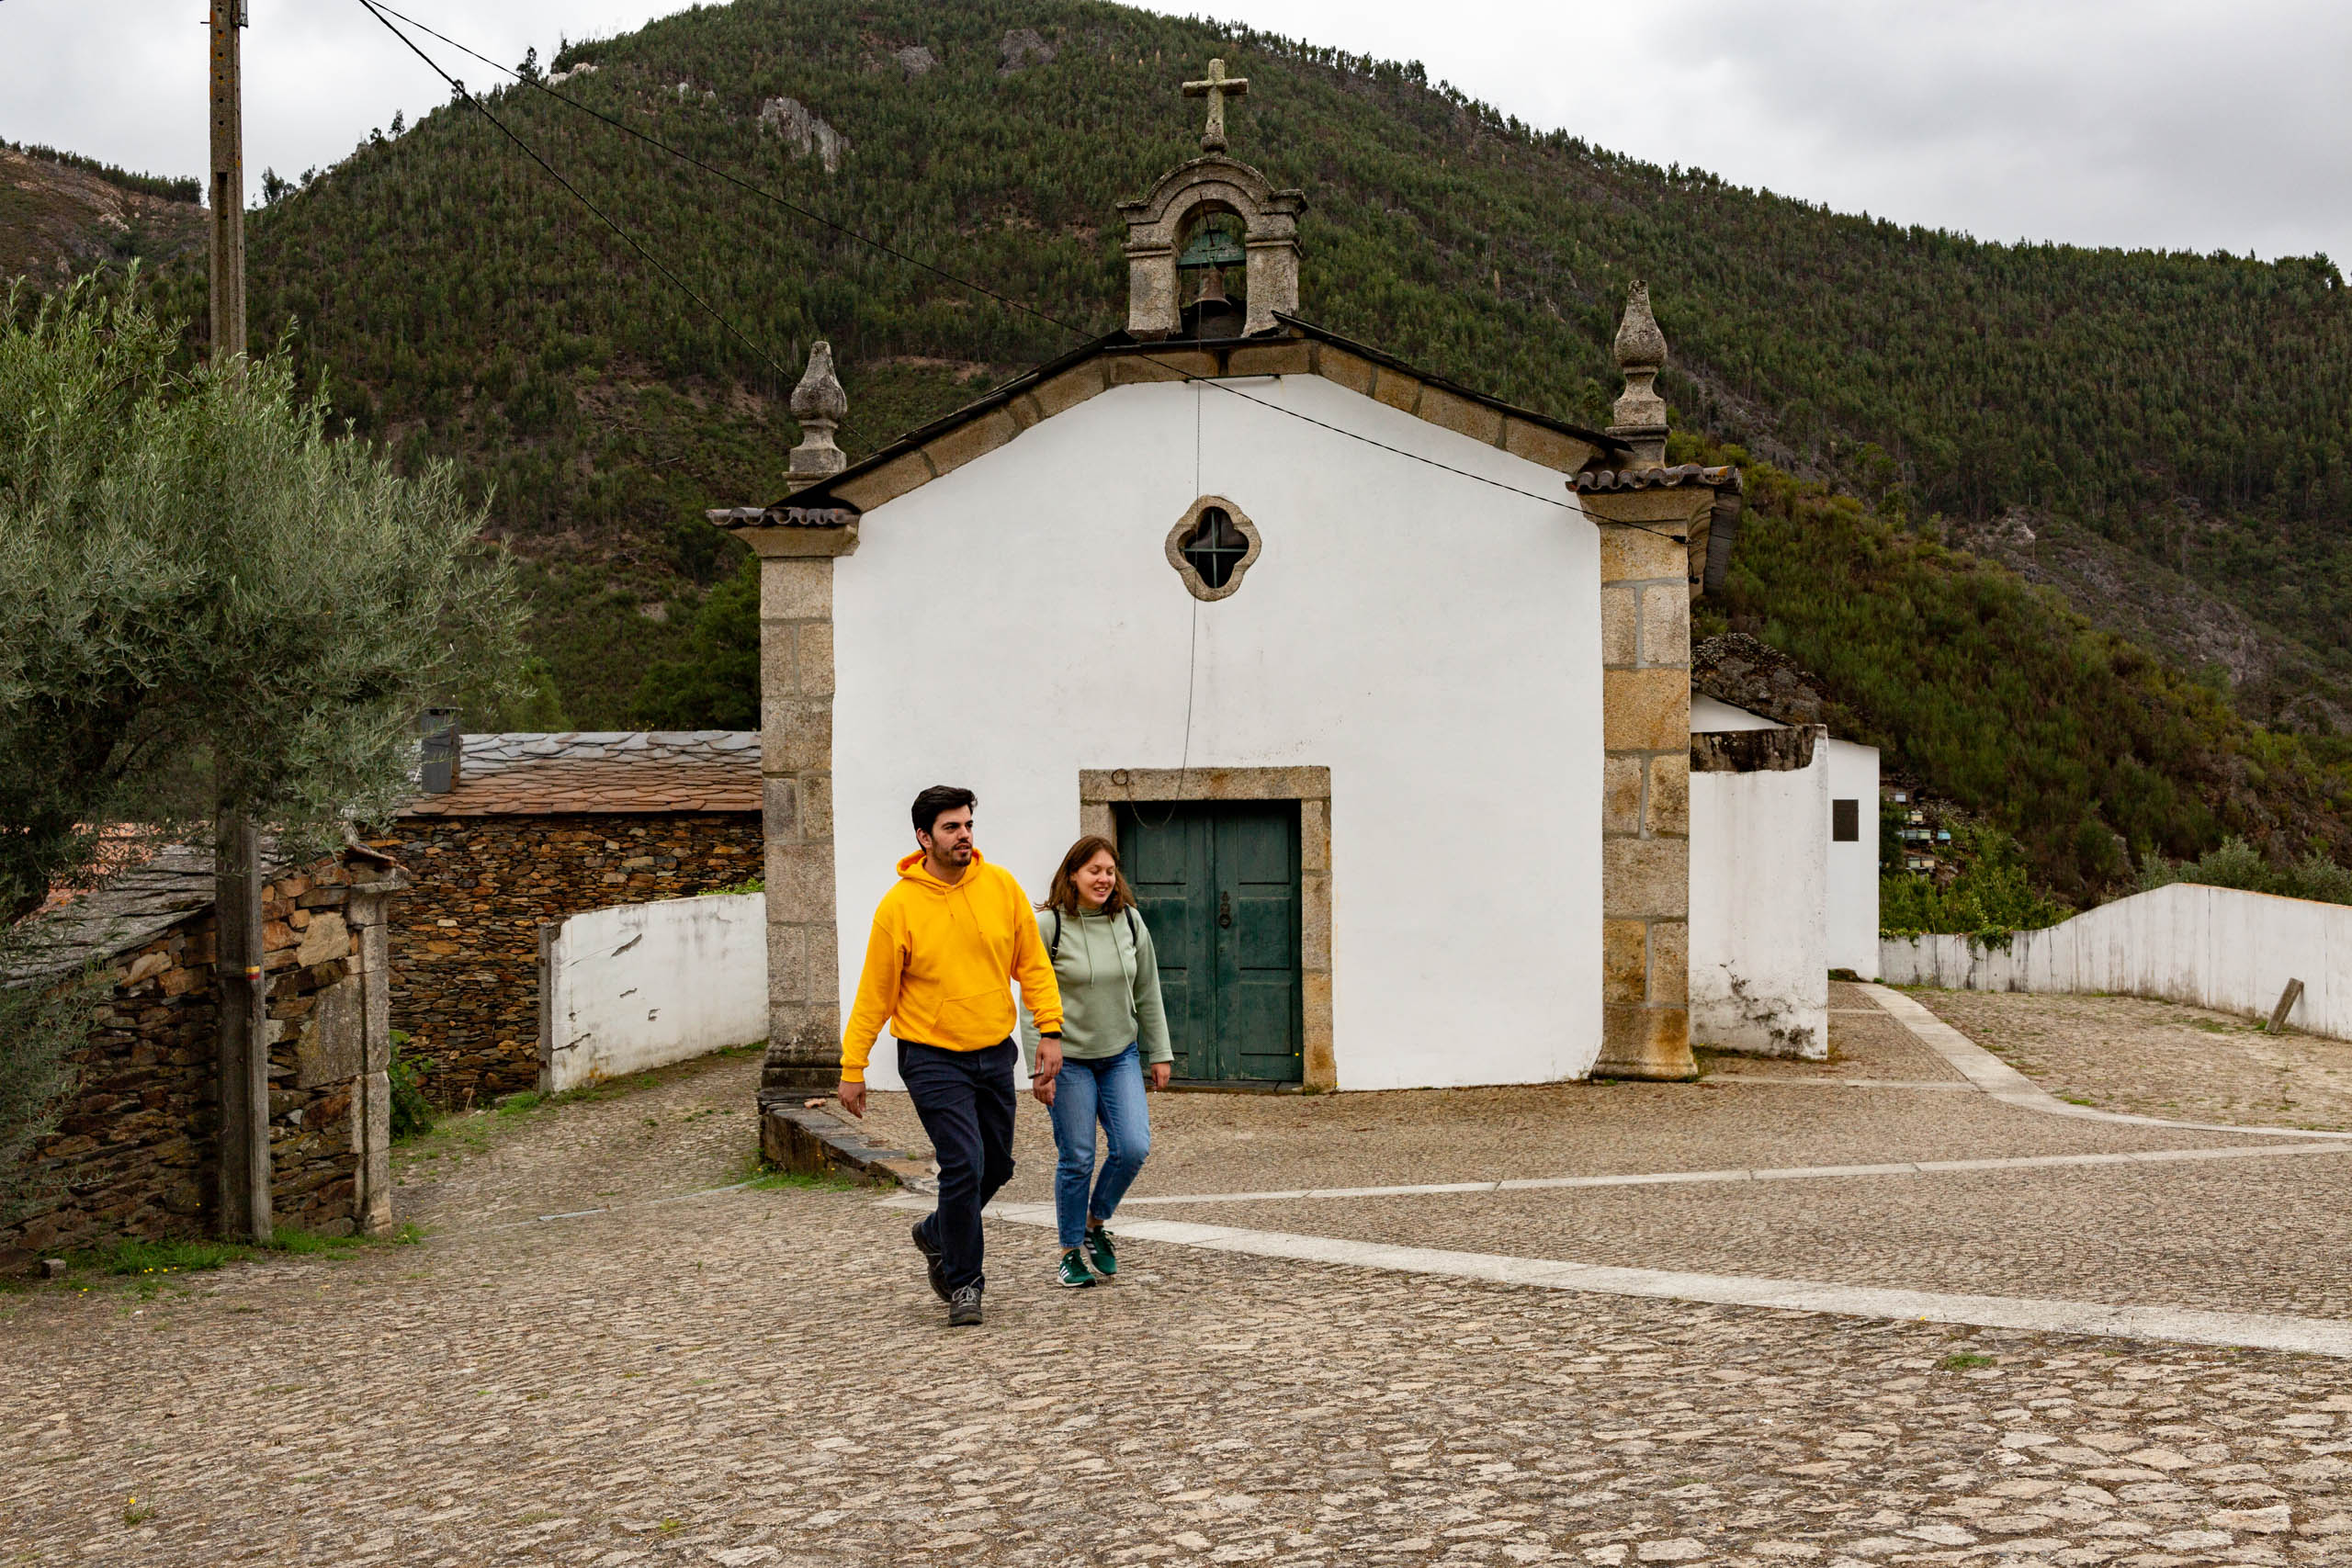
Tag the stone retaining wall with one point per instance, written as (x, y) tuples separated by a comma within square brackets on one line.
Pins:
[(134, 1152), (465, 940)]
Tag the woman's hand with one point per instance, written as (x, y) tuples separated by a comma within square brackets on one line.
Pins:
[(1155, 1075)]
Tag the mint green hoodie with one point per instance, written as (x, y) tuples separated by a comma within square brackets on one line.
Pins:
[(1109, 974)]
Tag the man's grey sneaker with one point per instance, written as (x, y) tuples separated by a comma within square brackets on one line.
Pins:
[(1072, 1273), (930, 1263), (964, 1308), (1098, 1248)]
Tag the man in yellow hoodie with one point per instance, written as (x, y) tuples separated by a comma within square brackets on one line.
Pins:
[(948, 940)]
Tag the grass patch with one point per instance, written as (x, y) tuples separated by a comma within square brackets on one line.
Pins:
[(150, 1257), (149, 1266), (1962, 1361), (137, 1513)]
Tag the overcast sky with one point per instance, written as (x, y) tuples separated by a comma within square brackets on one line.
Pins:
[(2204, 125)]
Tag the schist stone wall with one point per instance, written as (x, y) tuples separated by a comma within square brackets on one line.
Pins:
[(135, 1151), (465, 940)]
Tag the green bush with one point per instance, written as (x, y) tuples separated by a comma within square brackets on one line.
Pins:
[(2239, 864), (411, 1113), (1990, 895)]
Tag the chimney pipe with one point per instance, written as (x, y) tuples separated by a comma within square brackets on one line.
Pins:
[(437, 770)]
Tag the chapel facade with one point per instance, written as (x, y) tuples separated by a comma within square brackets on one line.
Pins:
[(1382, 683)]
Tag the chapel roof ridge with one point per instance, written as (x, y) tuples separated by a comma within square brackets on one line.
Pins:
[(827, 502)]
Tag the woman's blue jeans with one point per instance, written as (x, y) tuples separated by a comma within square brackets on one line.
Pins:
[(1109, 1091)]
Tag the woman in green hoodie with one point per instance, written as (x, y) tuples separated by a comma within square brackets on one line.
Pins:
[(1114, 1040)]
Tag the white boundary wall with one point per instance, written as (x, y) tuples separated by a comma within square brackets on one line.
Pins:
[(2217, 947), (643, 985), (1760, 888), (1851, 908), (1853, 866)]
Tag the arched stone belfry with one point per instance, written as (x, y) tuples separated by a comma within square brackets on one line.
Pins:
[(1161, 224)]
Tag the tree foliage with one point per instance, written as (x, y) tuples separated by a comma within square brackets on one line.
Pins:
[(715, 685), (211, 599)]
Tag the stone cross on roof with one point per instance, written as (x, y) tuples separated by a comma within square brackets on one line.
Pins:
[(1217, 89)]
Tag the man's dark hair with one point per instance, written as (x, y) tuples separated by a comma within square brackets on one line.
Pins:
[(939, 798)]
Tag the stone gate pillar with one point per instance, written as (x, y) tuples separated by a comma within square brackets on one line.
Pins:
[(1658, 524), (796, 547), (796, 787)]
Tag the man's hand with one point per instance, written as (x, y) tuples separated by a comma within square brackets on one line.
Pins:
[(853, 1098), (1048, 1069), (1156, 1074)]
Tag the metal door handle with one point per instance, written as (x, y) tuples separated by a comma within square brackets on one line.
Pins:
[(1225, 910)]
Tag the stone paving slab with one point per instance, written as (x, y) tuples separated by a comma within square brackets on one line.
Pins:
[(2154, 1058), (760, 1377)]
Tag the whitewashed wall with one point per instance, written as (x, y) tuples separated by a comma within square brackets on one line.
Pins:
[(2217, 947), (1759, 881), (1433, 642), (643, 985), (1853, 867), (1851, 908)]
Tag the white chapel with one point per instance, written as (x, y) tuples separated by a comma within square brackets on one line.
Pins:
[(1382, 685)]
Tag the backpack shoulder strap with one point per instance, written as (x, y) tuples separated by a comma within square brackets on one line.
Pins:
[(1134, 939), (1053, 948)]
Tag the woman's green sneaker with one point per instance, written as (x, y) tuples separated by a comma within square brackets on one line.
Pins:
[(1098, 1247), (1073, 1274)]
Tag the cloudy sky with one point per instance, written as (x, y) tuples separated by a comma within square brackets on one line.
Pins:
[(2194, 124)]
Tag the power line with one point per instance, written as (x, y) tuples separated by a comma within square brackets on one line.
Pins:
[(381, 10), (709, 168), (683, 286)]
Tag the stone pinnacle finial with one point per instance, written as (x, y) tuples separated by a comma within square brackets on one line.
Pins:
[(819, 404), (1641, 355)]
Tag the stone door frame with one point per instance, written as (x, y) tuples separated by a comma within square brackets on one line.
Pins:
[(1101, 789)]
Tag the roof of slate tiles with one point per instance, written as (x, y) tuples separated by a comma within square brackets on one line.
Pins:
[(160, 885), (645, 771)]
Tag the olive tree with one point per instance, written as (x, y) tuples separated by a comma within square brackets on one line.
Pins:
[(213, 602)]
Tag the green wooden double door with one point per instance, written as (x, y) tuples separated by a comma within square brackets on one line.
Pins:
[(1218, 881)]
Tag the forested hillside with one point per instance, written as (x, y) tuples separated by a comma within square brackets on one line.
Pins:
[(2192, 411)]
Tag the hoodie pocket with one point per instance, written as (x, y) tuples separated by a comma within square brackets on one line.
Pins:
[(981, 1019)]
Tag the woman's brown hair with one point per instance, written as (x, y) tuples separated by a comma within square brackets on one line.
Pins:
[(1063, 894)]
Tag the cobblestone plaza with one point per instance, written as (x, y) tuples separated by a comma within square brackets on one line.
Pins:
[(605, 1352)]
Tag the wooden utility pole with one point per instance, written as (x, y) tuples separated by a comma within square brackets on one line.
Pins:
[(227, 184), (236, 868)]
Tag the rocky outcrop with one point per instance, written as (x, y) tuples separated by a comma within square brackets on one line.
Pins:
[(916, 61), (1022, 48), (804, 133)]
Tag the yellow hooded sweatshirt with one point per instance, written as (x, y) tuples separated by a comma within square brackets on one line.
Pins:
[(938, 960)]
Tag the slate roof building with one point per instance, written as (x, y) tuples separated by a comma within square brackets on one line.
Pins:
[(528, 830)]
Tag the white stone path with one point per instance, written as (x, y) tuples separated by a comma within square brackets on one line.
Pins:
[(1983, 1070)]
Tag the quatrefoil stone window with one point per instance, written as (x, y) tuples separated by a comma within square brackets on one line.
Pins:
[(1212, 546)]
